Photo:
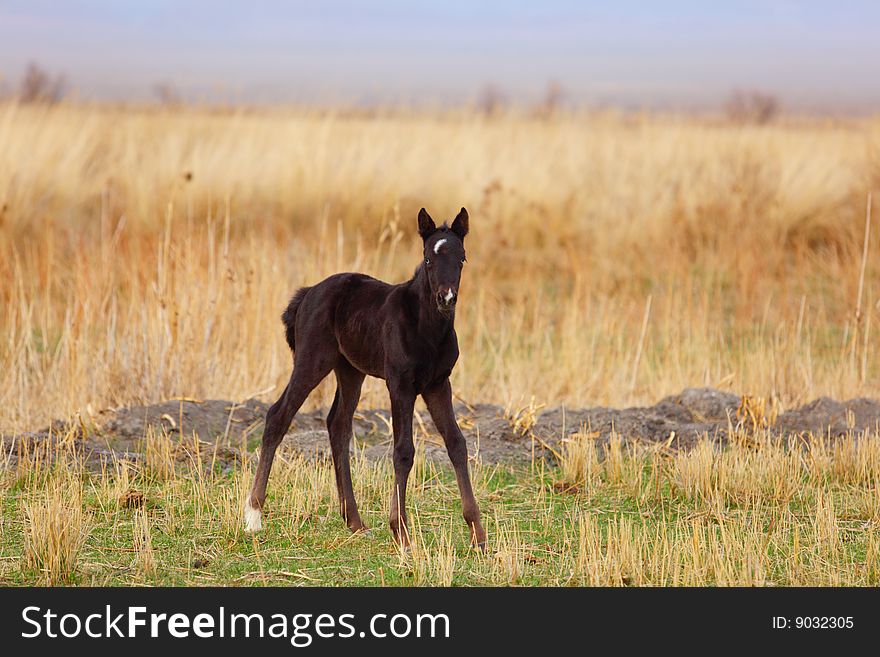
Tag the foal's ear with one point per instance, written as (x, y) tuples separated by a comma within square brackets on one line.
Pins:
[(460, 225), (426, 224)]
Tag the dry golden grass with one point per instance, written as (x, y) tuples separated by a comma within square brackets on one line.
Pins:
[(579, 462), (146, 254), (758, 512), (758, 516), (56, 527), (143, 545)]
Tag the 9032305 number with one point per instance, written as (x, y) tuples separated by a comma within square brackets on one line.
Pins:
[(823, 622)]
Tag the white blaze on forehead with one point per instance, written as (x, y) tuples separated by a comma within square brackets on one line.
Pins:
[(438, 244), (449, 295)]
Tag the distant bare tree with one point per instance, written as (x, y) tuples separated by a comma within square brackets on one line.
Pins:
[(751, 107), (553, 98), (491, 100), (166, 93), (38, 85)]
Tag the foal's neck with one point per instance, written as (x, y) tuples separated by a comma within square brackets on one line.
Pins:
[(433, 325)]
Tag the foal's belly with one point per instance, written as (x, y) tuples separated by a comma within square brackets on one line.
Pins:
[(367, 361)]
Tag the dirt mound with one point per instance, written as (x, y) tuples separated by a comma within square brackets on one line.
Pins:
[(210, 420), (492, 436), (825, 416), (680, 419)]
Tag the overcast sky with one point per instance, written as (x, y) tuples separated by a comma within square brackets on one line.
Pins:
[(678, 53)]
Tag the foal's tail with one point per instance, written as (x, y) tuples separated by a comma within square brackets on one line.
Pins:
[(289, 316)]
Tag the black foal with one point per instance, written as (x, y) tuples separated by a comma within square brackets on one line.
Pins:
[(355, 326)]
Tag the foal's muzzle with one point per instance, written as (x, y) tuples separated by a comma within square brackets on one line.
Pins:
[(446, 298)]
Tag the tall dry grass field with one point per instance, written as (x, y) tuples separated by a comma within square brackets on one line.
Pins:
[(146, 254)]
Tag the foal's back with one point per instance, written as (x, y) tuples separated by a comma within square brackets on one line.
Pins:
[(343, 315)]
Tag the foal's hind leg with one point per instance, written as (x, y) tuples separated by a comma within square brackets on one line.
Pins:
[(348, 392), (306, 376)]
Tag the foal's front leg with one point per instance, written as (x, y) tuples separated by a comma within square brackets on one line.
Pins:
[(403, 400), (439, 402)]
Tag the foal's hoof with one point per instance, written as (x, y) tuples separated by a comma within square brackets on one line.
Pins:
[(403, 546), (253, 518), (478, 538)]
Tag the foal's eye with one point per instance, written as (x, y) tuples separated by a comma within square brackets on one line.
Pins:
[(427, 261)]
